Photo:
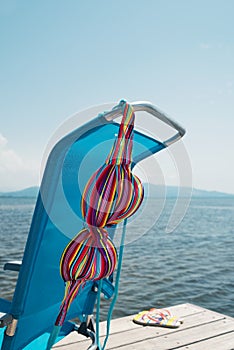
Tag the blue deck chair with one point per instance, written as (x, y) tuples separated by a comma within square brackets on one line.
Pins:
[(27, 320)]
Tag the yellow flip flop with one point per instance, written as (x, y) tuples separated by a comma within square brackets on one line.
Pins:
[(157, 318)]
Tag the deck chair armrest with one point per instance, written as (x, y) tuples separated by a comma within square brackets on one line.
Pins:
[(13, 266)]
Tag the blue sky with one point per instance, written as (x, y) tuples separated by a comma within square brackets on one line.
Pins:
[(59, 57)]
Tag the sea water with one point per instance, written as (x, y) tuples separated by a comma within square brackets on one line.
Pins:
[(193, 264)]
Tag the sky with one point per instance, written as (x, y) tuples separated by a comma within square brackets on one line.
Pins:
[(60, 57)]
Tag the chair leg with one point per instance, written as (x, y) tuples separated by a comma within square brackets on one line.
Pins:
[(87, 329)]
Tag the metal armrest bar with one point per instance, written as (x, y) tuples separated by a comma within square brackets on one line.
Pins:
[(13, 266), (148, 107)]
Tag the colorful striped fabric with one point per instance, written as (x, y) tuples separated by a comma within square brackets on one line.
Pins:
[(91, 255), (111, 195), (121, 152)]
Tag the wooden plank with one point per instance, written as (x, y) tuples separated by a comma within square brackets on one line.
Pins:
[(179, 339), (199, 324), (140, 333), (125, 323), (222, 342)]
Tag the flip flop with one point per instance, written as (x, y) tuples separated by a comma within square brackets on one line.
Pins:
[(157, 318), (164, 313)]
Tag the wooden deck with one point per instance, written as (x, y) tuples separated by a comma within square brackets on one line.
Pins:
[(202, 330)]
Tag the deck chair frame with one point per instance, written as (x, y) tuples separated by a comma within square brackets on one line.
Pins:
[(13, 310)]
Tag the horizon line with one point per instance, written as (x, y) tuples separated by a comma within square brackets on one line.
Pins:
[(4, 192)]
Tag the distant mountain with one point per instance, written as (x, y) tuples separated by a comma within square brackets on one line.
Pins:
[(203, 193), (27, 192), (155, 191)]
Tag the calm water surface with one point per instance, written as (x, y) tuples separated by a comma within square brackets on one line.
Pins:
[(193, 264)]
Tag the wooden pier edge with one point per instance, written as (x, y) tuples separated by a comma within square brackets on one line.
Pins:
[(202, 329)]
